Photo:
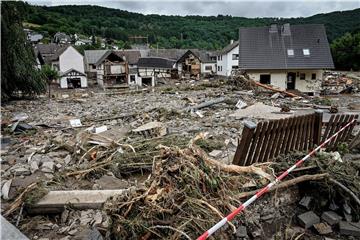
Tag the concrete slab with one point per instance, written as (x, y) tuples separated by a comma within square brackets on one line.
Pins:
[(350, 228), (10, 232), (308, 219), (331, 217)]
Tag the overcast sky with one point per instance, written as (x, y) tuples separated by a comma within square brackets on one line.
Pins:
[(253, 8)]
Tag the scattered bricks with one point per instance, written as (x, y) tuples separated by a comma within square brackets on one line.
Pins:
[(323, 228), (331, 217), (350, 228), (308, 219), (306, 202)]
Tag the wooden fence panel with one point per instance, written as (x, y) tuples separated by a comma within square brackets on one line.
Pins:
[(268, 139)]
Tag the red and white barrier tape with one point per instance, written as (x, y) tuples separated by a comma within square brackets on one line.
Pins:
[(267, 188)]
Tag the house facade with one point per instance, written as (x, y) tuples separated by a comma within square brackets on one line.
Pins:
[(228, 59), (106, 67), (152, 69), (290, 57)]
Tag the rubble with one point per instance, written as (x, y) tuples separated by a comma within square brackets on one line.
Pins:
[(142, 141)]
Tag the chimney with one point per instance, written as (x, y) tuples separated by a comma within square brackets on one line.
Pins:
[(273, 28), (231, 41), (285, 29)]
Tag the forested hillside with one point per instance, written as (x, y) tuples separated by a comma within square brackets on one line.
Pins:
[(212, 32)]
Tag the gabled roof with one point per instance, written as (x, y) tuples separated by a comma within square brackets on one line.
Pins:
[(49, 52), (93, 56), (155, 62), (266, 47), (108, 53), (72, 70), (228, 48)]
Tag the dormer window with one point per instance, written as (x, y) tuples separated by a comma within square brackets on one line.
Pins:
[(290, 52), (306, 52)]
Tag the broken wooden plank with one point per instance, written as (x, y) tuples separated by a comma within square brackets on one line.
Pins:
[(275, 90), (205, 104), (55, 201)]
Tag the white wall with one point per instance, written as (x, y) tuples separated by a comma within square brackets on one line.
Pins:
[(279, 79), (204, 65), (227, 62), (64, 84), (71, 58)]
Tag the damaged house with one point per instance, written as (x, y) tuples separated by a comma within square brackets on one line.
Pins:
[(153, 69), (189, 62), (291, 57), (106, 67), (67, 61)]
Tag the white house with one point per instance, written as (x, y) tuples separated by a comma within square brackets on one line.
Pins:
[(83, 42), (66, 60), (71, 68), (288, 57), (228, 59)]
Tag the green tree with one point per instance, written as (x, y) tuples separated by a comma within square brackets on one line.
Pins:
[(50, 75), (346, 52), (18, 67)]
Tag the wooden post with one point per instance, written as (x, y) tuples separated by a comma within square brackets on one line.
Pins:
[(244, 143), (317, 127)]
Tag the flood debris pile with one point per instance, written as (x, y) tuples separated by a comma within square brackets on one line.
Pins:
[(183, 197)]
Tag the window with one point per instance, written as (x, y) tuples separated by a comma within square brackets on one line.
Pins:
[(302, 76), (313, 76), (235, 57), (220, 58), (265, 78), (93, 66), (290, 52), (208, 68), (219, 68), (306, 52), (234, 67)]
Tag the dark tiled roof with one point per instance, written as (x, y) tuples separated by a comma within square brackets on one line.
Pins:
[(49, 52), (131, 56), (260, 48), (155, 62), (92, 56)]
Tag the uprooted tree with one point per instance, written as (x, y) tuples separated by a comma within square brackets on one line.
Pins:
[(18, 66)]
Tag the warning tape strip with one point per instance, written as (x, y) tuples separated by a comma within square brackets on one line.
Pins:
[(228, 218)]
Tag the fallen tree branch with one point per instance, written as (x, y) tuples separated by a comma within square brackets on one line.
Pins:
[(230, 168), (357, 200), (19, 200), (288, 183)]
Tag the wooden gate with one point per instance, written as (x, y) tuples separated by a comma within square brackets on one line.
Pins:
[(269, 139)]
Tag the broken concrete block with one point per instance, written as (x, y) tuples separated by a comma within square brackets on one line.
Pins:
[(306, 202), (34, 166), (151, 129), (331, 217), (348, 217), (349, 228), (215, 153), (323, 228), (347, 208), (241, 232), (48, 167), (308, 219), (9, 231), (241, 104), (75, 123)]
